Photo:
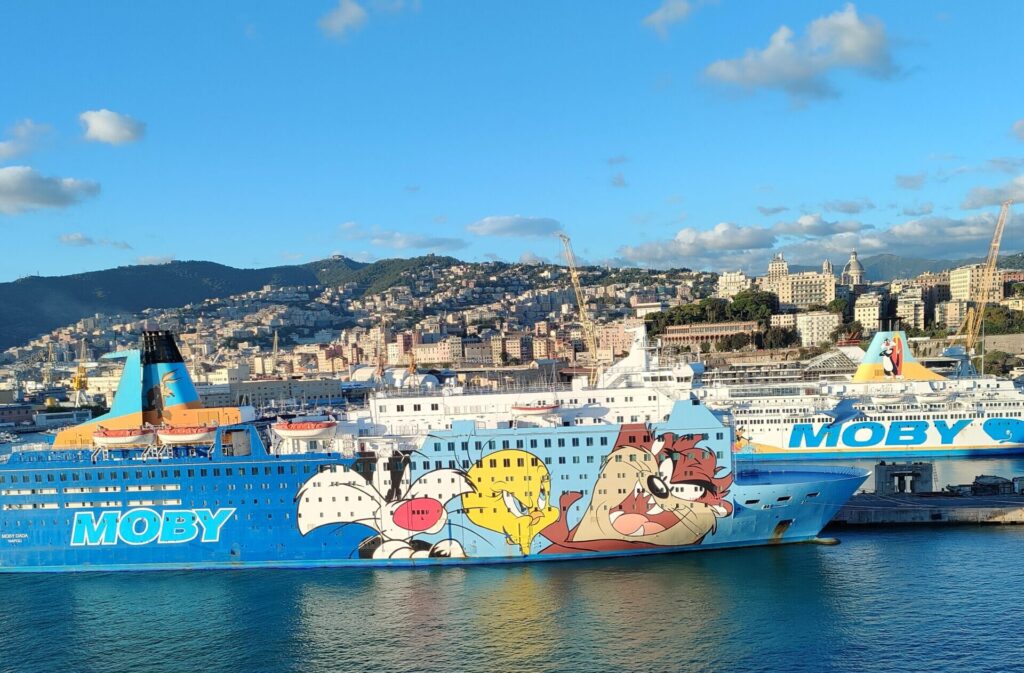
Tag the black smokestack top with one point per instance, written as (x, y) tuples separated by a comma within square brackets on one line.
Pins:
[(159, 346)]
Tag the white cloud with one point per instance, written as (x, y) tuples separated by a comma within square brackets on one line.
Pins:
[(398, 240), (670, 12), (532, 258), (915, 181), (816, 226), (349, 15), (76, 239), (1018, 129), (617, 159), (928, 237), (22, 137), (768, 211), (850, 207), (691, 245), (79, 240), (515, 225), (106, 126), (23, 189), (918, 210), (153, 260), (801, 66), (981, 197)]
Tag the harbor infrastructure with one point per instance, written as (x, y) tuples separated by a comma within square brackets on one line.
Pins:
[(903, 495)]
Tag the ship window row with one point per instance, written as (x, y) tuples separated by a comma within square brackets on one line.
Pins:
[(522, 443), (51, 477)]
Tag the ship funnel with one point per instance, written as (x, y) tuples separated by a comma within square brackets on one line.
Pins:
[(888, 358), (166, 383)]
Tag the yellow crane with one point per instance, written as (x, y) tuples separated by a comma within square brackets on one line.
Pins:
[(970, 328), (589, 331), (80, 380)]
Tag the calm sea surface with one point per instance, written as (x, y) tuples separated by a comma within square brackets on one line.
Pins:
[(933, 599)]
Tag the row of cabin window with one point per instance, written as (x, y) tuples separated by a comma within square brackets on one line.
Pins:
[(150, 474), (521, 444)]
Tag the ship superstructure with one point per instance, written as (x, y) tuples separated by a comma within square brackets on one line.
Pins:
[(891, 407), (218, 495)]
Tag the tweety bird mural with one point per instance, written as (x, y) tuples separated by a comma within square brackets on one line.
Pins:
[(513, 496)]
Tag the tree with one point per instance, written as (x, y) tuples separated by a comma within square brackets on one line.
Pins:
[(733, 342), (999, 363), (838, 305), (705, 346), (849, 328), (753, 305), (780, 337)]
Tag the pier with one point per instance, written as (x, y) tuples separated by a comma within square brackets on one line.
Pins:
[(903, 495), (870, 509)]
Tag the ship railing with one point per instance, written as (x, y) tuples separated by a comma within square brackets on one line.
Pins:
[(446, 391)]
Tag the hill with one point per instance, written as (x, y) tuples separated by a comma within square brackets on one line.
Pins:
[(888, 267), (34, 305)]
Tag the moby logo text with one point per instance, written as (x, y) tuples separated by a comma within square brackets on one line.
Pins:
[(871, 433), (145, 526)]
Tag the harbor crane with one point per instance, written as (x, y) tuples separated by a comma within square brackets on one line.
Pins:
[(80, 379), (589, 330), (970, 328)]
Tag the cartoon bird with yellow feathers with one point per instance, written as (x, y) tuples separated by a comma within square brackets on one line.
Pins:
[(512, 497)]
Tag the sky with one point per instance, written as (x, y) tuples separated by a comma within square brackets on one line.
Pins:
[(708, 134)]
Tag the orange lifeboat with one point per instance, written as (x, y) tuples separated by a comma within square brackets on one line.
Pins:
[(195, 434), (305, 429), (127, 437)]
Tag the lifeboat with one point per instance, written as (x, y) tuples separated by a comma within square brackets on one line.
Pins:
[(535, 408), (932, 398), (884, 400), (305, 429), (127, 437), (196, 434)]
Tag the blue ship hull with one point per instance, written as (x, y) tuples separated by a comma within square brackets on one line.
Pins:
[(464, 496)]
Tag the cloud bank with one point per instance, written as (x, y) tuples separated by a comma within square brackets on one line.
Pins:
[(801, 66), (23, 189)]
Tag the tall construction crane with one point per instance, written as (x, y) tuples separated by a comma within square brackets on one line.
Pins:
[(589, 331), (970, 328), (80, 380)]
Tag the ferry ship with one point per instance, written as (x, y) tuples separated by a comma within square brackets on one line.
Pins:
[(892, 407), (162, 483)]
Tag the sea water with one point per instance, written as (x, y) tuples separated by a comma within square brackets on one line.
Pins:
[(910, 599)]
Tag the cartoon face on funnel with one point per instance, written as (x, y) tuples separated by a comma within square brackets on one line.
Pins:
[(386, 502), (662, 493), (512, 497)]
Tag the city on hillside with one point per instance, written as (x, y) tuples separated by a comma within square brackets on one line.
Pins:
[(497, 325)]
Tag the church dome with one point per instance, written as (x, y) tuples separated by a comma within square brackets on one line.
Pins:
[(854, 263)]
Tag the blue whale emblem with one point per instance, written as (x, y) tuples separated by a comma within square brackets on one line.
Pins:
[(1004, 429)]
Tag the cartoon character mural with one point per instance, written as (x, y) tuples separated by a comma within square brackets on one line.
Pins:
[(892, 356), (652, 492), (386, 501), (512, 496)]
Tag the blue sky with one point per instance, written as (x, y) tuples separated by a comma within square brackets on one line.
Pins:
[(655, 132)]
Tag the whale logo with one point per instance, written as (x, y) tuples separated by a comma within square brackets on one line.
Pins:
[(1004, 430)]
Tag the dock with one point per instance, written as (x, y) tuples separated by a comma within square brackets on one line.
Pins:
[(869, 509)]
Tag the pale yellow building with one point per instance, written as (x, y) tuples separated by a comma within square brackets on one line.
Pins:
[(965, 283)]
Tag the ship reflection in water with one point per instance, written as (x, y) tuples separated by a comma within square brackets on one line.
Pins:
[(892, 599)]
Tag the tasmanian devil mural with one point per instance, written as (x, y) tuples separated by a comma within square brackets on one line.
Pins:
[(652, 492)]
